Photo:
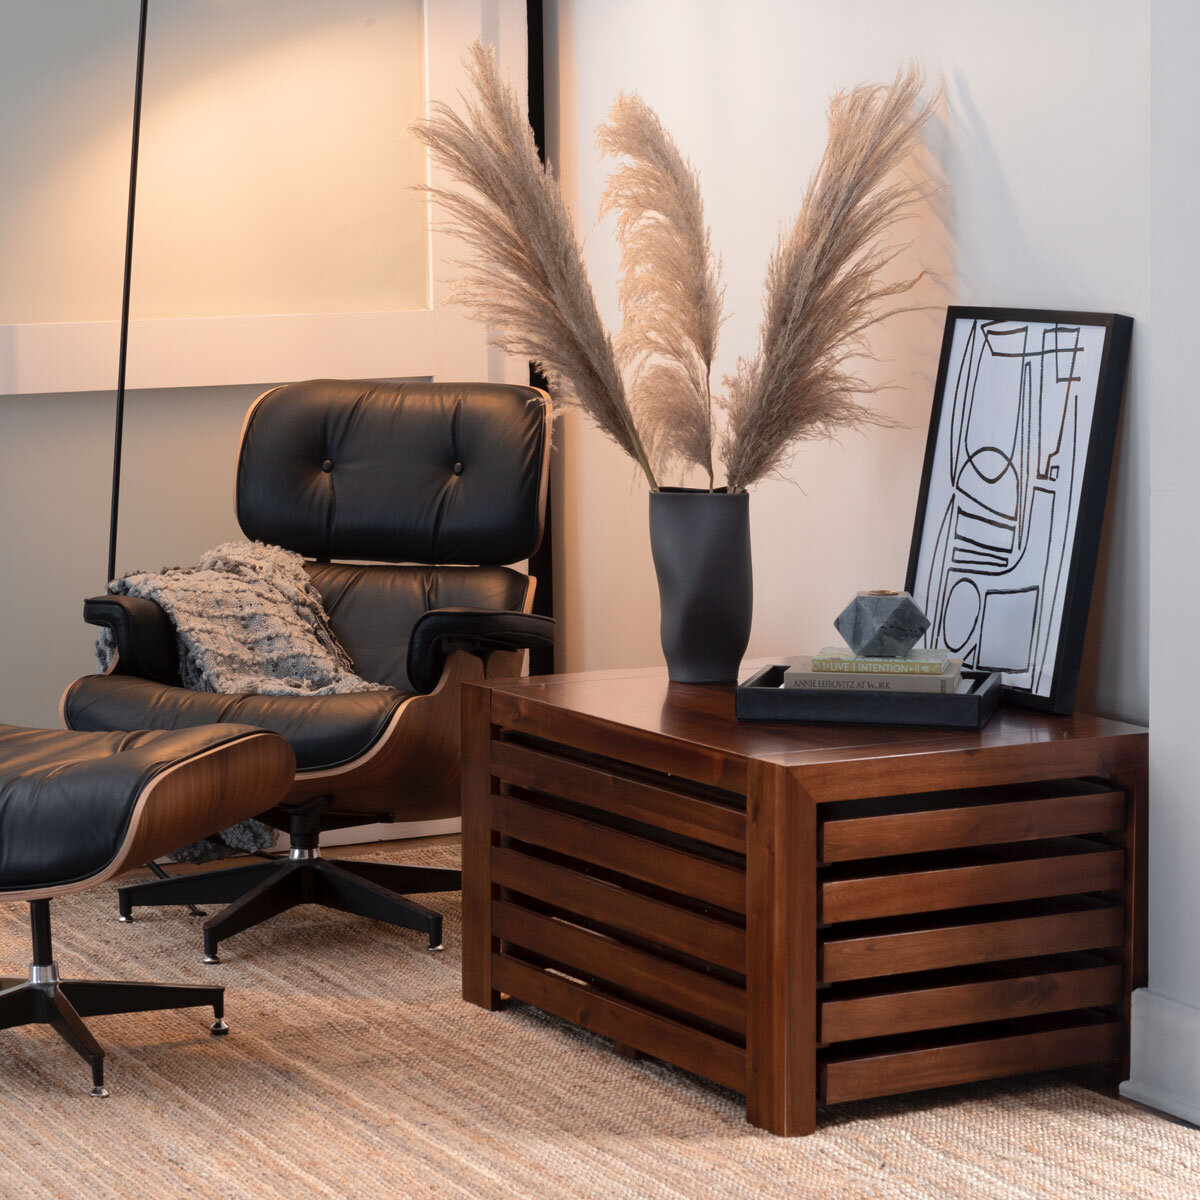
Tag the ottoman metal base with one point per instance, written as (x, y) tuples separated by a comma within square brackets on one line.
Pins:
[(43, 998)]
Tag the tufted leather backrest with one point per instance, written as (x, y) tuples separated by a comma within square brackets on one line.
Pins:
[(396, 472), (373, 608)]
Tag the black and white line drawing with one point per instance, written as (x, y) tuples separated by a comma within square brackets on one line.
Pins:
[(1014, 423)]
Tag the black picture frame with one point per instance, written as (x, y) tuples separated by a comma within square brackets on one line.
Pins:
[(1093, 490)]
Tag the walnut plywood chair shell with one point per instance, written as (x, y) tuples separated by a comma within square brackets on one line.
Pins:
[(78, 808), (410, 502)]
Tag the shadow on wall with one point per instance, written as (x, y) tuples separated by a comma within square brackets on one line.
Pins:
[(844, 521), (912, 339), (981, 185), (966, 153), (1109, 697)]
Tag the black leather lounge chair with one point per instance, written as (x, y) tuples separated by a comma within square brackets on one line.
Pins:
[(410, 500), (77, 808)]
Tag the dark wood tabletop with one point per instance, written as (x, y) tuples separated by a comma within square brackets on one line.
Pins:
[(701, 718)]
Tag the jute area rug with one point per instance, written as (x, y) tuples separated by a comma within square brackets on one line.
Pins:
[(355, 1070)]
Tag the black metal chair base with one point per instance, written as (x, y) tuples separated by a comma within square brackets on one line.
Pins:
[(42, 998), (258, 892)]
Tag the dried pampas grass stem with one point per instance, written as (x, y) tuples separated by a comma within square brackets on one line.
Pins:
[(823, 291), (670, 291), (527, 278), (825, 287)]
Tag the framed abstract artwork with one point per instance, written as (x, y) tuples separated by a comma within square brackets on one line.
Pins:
[(1021, 440)]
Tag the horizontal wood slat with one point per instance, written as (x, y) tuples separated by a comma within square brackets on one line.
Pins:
[(626, 853), (1027, 993), (687, 757), (703, 820), (626, 1023), (592, 953), (925, 766), (971, 825), (703, 937), (890, 895), (957, 944), (887, 1073)]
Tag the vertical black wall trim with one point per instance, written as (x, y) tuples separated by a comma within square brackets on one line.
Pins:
[(119, 431), (541, 565), (537, 74)]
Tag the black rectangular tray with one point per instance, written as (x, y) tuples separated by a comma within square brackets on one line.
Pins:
[(764, 698)]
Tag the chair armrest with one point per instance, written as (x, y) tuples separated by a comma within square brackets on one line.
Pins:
[(146, 643), (478, 631)]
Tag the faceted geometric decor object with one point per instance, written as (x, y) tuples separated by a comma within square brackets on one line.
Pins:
[(882, 624)]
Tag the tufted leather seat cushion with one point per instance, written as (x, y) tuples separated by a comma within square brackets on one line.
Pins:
[(396, 472), (324, 731), (66, 798)]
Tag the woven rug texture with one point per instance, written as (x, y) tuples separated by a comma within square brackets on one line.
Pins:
[(354, 1069)]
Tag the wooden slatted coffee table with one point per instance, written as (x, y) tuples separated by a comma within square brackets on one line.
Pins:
[(807, 914)]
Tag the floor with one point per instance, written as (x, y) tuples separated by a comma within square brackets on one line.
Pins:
[(1101, 1080), (355, 1069)]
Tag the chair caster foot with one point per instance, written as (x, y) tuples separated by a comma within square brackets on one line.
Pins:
[(219, 1027), (99, 1093), (439, 946), (211, 959), (125, 920)]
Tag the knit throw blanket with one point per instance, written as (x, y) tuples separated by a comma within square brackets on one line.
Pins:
[(248, 620)]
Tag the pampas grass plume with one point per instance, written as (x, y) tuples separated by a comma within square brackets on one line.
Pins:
[(823, 291), (527, 278), (670, 291)]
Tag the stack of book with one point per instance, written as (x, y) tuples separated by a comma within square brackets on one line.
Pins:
[(838, 669)]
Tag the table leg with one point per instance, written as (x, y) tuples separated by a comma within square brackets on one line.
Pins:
[(477, 889), (781, 953)]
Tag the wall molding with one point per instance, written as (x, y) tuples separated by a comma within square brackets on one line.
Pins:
[(390, 832), (81, 356), (365, 834), (1165, 1055)]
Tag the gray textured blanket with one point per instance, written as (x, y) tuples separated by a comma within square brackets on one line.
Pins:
[(248, 620)]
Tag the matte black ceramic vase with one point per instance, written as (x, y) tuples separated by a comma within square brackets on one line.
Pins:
[(701, 546)]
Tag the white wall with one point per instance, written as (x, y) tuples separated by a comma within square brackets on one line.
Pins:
[(1043, 147), (273, 177), (55, 473), (273, 180), (1166, 1035)]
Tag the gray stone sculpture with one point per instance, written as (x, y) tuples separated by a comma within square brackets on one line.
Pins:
[(882, 624)]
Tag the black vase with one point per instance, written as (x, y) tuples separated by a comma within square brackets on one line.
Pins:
[(701, 546)]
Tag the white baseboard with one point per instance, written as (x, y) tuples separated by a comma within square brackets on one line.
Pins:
[(390, 831), (1165, 1052), (358, 835)]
